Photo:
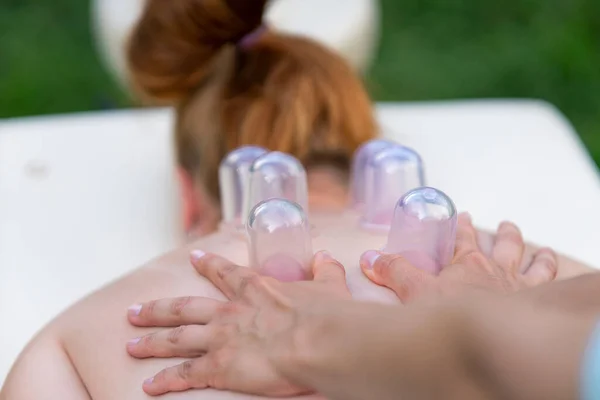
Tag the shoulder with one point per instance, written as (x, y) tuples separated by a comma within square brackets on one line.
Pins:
[(44, 367)]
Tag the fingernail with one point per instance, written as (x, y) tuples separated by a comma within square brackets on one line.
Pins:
[(133, 342), (148, 381), (197, 254), (324, 256), (369, 258), (135, 309)]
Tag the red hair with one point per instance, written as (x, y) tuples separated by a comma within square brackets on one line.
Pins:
[(281, 92)]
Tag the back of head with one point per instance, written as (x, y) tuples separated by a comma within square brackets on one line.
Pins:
[(235, 83)]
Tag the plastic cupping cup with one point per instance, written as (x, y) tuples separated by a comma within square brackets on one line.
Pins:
[(234, 181), (423, 229), (279, 240), (276, 175), (359, 169), (390, 174)]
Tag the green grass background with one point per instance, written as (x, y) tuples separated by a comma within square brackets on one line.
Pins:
[(443, 49)]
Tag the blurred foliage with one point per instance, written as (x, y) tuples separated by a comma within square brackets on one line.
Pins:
[(430, 49), (48, 60), (446, 49)]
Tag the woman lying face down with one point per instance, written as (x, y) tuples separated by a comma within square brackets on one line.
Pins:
[(84, 352), (230, 89)]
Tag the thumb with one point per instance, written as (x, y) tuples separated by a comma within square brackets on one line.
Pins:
[(328, 269), (395, 272)]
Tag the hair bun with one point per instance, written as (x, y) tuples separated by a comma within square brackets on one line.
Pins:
[(251, 13), (175, 41)]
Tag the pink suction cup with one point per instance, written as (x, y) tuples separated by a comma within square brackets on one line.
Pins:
[(423, 229), (276, 175), (359, 170), (390, 174), (279, 240), (234, 174)]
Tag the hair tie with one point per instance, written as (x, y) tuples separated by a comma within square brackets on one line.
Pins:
[(250, 39)]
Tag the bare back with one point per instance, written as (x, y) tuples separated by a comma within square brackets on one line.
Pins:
[(87, 342), (93, 333)]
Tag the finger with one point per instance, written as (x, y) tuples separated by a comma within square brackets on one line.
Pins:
[(184, 341), (466, 237), (231, 279), (485, 241), (509, 247), (395, 272), (328, 269), (544, 268), (173, 312), (193, 374), (527, 259)]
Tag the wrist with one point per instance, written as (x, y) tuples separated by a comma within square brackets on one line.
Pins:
[(438, 352), (471, 379), (381, 352)]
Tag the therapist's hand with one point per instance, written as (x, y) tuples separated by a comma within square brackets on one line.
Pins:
[(503, 270), (233, 342)]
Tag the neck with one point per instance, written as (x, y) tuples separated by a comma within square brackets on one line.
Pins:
[(327, 189)]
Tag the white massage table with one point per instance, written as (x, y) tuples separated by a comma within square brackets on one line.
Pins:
[(86, 198)]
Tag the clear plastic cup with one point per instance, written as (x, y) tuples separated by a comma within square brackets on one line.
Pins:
[(276, 175), (359, 170), (234, 174), (423, 229), (280, 243), (390, 174)]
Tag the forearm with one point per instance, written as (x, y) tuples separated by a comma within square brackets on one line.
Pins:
[(527, 351), (539, 335), (578, 295), (489, 347), (569, 268), (384, 352)]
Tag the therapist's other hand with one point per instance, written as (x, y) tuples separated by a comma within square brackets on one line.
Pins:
[(233, 342), (501, 271)]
